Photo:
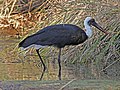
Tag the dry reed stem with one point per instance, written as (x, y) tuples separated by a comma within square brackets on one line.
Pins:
[(12, 7), (97, 51), (67, 84)]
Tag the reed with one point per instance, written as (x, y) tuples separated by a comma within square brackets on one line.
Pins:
[(101, 51)]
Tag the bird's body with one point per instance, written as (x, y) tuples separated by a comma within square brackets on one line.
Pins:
[(59, 36), (55, 35)]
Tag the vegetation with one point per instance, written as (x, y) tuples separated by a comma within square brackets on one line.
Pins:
[(101, 53)]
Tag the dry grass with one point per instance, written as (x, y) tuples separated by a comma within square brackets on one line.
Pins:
[(99, 53)]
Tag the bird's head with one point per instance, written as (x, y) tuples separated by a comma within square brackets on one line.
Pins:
[(90, 21)]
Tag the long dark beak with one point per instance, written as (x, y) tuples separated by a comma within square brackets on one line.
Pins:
[(99, 27)]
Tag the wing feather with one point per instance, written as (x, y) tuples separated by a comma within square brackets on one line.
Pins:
[(56, 35)]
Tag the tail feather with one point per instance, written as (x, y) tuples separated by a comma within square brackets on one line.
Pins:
[(26, 42), (21, 43)]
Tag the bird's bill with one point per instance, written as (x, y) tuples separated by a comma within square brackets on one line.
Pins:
[(99, 27)]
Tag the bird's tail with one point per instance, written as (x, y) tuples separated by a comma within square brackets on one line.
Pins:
[(21, 44), (26, 43)]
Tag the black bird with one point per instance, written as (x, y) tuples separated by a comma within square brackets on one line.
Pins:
[(59, 36)]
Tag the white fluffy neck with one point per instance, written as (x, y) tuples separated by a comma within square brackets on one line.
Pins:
[(88, 29)]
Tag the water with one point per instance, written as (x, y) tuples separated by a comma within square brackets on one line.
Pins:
[(25, 65)]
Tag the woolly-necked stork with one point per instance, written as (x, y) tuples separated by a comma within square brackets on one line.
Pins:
[(59, 36)]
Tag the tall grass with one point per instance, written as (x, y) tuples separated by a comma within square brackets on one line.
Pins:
[(101, 52)]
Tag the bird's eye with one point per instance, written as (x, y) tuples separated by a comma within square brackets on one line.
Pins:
[(91, 21)]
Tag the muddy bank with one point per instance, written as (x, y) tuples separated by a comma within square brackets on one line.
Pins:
[(61, 85)]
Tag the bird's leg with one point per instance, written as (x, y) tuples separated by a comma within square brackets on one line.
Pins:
[(59, 63), (44, 67)]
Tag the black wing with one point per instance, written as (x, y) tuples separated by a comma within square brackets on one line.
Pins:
[(56, 35)]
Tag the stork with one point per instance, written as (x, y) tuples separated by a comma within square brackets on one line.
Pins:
[(59, 36)]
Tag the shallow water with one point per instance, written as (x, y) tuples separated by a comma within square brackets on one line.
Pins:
[(25, 65)]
